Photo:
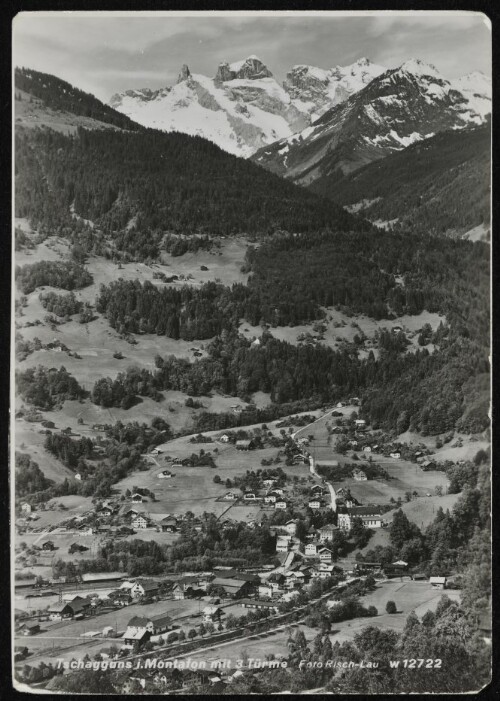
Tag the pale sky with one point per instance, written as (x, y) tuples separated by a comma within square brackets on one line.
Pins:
[(104, 53)]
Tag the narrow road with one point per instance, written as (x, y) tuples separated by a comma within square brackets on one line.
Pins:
[(312, 464)]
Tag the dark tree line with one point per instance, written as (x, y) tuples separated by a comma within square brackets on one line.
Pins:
[(64, 274), (172, 182)]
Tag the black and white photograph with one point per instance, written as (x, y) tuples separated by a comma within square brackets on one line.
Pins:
[(250, 431)]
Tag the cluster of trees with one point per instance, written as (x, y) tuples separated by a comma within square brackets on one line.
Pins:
[(188, 313), (21, 239), (179, 245), (61, 305), (141, 436), (62, 96), (64, 274), (29, 476), (46, 387), (70, 452), (337, 473)]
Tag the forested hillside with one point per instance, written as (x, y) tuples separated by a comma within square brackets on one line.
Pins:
[(291, 277), (439, 185), (57, 94), (152, 184)]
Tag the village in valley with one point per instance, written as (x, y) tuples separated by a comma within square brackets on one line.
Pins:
[(323, 487)]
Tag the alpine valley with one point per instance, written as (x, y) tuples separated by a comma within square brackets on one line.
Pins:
[(252, 366)]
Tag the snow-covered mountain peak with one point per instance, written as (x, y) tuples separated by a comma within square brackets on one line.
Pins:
[(420, 68)]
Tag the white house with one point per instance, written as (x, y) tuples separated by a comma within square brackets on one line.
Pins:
[(166, 474), (360, 422), (395, 455), (26, 508), (140, 522), (249, 496), (359, 475), (269, 482), (291, 527), (326, 532), (367, 449), (144, 587), (315, 503), (224, 438), (78, 477), (280, 505), (311, 549), (230, 496)]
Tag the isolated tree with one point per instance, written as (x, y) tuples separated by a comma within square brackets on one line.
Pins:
[(390, 607)]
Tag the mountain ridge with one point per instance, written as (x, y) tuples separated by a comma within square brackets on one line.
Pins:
[(243, 107), (395, 109)]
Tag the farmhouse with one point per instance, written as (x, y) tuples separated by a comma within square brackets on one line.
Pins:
[(144, 587), (137, 498), (135, 635), (140, 522), (359, 475), (185, 587), (26, 508), (155, 625), (438, 582), (224, 438), (233, 588), (317, 490), (48, 545), (323, 571), (325, 555), (280, 504), (59, 612), (311, 549), (269, 482), (396, 455), (169, 524), (30, 628), (212, 614), (166, 474), (230, 496), (244, 444)]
